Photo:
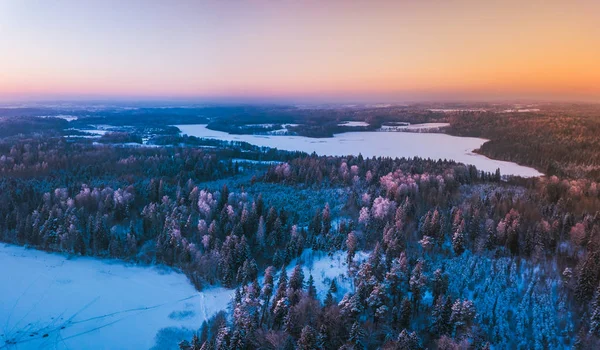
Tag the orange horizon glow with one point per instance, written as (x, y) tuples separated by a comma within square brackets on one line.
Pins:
[(386, 50)]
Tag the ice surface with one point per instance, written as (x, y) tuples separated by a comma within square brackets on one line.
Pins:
[(51, 301), (375, 144)]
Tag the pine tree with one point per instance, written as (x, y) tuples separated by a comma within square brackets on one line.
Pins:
[(417, 282), (222, 340), (463, 313), (408, 341), (308, 339), (405, 313), (281, 288), (377, 302), (458, 240), (356, 335), (333, 286), (296, 282), (266, 292), (315, 226), (291, 323), (440, 317), (323, 338), (311, 290), (586, 279), (351, 306), (326, 227), (351, 246), (196, 343), (329, 298), (595, 318), (440, 283)]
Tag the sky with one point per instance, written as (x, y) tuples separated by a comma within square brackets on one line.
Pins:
[(304, 51)]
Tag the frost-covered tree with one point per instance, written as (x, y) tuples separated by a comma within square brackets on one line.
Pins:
[(351, 306), (417, 283), (311, 290), (356, 336), (281, 289), (297, 278), (308, 339), (440, 317), (595, 311), (408, 341), (463, 314), (351, 246), (458, 239)]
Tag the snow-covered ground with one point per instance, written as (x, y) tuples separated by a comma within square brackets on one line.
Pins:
[(524, 110), (283, 131), (452, 110), (252, 161), (94, 132), (325, 267), (60, 116), (102, 129), (51, 301), (375, 144), (414, 127), (353, 124)]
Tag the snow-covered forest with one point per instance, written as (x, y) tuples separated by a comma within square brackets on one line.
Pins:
[(320, 252)]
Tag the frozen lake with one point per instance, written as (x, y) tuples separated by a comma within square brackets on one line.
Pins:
[(56, 302), (372, 143), (52, 302)]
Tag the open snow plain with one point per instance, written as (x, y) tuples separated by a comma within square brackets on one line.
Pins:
[(51, 301)]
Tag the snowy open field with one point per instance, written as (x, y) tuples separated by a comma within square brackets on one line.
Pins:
[(325, 267), (52, 302), (375, 144), (414, 127), (353, 123)]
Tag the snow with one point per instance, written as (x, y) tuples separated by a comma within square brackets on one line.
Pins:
[(283, 131), (252, 161), (452, 110), (324, 267), (524, 110), (53, 301), (414, 127), (353, 124), (264, 125), (98, 132), (60, 116), (101, 129), (375, 144)]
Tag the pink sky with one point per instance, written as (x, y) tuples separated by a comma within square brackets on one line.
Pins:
[(304, 50)]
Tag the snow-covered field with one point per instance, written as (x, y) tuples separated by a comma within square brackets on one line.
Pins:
[(452, 110), (60, 116), (414, 127), (325, 267), (524, 110), (50, 301), (94, 132), (375, 144), (353, 124)]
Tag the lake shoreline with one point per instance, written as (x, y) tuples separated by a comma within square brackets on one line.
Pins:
[(377, 144)]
